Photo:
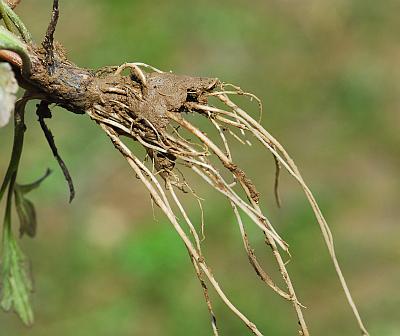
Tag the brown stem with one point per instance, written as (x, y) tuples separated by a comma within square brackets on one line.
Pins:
[(43, 112), (48, 43), (13, 3), (11, 57)]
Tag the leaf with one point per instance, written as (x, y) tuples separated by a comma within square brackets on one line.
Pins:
[(8, 89), (25, 188), (16, 283), (25, 208), (27, 216)]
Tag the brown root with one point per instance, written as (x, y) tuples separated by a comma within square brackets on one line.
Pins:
[(153, 108)]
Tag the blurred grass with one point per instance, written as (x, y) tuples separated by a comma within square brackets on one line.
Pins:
[(328, 73)]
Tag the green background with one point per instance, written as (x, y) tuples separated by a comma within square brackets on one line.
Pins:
[(328, 72)]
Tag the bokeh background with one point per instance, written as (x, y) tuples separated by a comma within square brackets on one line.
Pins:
[(328, 72)]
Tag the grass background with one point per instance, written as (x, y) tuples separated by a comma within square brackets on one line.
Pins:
[(328, 73)]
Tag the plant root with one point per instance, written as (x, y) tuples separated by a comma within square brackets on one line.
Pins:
[(166, 150), (154, 108)]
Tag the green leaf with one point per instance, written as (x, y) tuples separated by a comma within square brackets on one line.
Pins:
[(8, 90), (26, 188), (16, 283), (25, 208), (27, 216)]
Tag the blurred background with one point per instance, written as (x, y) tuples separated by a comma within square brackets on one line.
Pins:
[(328, 72)]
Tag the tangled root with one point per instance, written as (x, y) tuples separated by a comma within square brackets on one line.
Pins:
[(153, 111), (154, 108)]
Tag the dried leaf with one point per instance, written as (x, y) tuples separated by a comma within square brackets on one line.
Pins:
[(8, 89)]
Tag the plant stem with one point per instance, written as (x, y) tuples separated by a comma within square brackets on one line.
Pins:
[(8, 41), (9, 17), (19, 130)]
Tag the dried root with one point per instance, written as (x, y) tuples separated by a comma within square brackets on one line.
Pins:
[(154, 108), (158, 127)]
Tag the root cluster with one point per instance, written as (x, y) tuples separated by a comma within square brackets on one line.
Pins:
[(154, 109), (141, 103)]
